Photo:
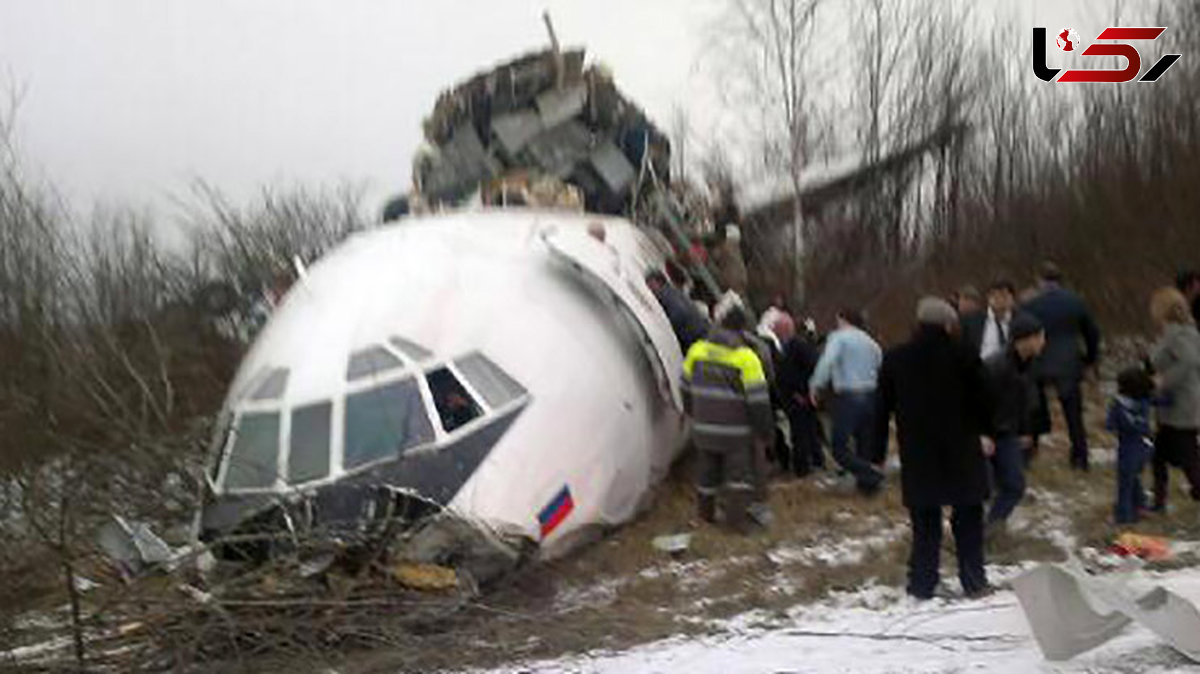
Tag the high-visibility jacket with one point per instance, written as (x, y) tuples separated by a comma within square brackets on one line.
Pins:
[(726, 394)]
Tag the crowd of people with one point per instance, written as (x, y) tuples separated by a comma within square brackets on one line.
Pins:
[(968, 394)]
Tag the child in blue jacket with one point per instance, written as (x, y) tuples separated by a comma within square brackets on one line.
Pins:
[(1129, 419)]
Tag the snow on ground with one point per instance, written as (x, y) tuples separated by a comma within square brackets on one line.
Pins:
[(599, 594), (690, 575), (876, 630), (843, 552), (1049, 520)]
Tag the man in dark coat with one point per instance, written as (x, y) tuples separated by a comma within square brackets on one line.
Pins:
[(688, 324), (796, 366), (1013, 389), (935, 386), (1072, 345)]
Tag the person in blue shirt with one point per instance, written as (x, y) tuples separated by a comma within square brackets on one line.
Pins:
[(850, 365), (1129, 419)]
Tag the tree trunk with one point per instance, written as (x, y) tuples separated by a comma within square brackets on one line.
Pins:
[(68, 566)]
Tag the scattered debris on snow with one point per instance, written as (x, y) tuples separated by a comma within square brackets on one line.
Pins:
[(674, 545), (877, 629)]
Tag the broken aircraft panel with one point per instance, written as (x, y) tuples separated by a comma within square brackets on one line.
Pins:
[(613, 168), (514, 131), (558, 150), (1072, 612), (558, 106), (459, 165)]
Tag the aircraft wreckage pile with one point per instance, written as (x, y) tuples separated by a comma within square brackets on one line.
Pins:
[(541, 117), (547, 130)]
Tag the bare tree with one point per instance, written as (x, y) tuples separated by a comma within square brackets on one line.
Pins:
[(252, 248), (772, 40), (883, 30)]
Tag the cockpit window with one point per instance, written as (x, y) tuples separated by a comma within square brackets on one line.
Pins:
[(493, 383), (253, 460), (454, 404), (308, 456), (371, 361), (384, 421), (273, 386), (414, 351)]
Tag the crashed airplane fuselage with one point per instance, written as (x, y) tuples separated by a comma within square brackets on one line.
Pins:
[(506, 369)]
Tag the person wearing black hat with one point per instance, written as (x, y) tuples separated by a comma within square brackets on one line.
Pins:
[(1013, 389)]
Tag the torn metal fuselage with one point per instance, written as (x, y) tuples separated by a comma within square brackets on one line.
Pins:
[(1071, 611), (399, 503)]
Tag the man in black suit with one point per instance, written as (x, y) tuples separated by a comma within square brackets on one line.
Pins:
[(988, 333), (796, 365), (936, 387), (1072, 346)]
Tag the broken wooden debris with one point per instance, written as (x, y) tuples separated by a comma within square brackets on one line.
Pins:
[(425, 577)]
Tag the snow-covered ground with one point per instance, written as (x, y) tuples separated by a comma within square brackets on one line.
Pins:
[(877, 630)]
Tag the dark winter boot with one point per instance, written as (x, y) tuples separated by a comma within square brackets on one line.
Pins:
[(737, 510)]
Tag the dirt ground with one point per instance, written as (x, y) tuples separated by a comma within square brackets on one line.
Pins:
[(622, 591)]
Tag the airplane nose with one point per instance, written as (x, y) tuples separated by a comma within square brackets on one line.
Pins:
[(431, 476)]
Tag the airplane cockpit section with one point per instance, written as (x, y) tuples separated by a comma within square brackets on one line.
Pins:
[(477, 397), (398, 400)]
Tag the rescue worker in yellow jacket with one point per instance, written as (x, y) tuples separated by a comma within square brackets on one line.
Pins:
[(726, 395)]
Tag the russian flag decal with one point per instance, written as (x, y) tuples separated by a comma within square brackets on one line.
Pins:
[(556, 511)]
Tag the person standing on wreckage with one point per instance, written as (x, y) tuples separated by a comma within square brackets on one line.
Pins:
[(936, 387), (726, 395)]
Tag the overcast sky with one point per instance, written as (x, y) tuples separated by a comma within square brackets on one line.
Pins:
[(125, 101)]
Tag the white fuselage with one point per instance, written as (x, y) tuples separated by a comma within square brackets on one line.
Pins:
[(591, 418)]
